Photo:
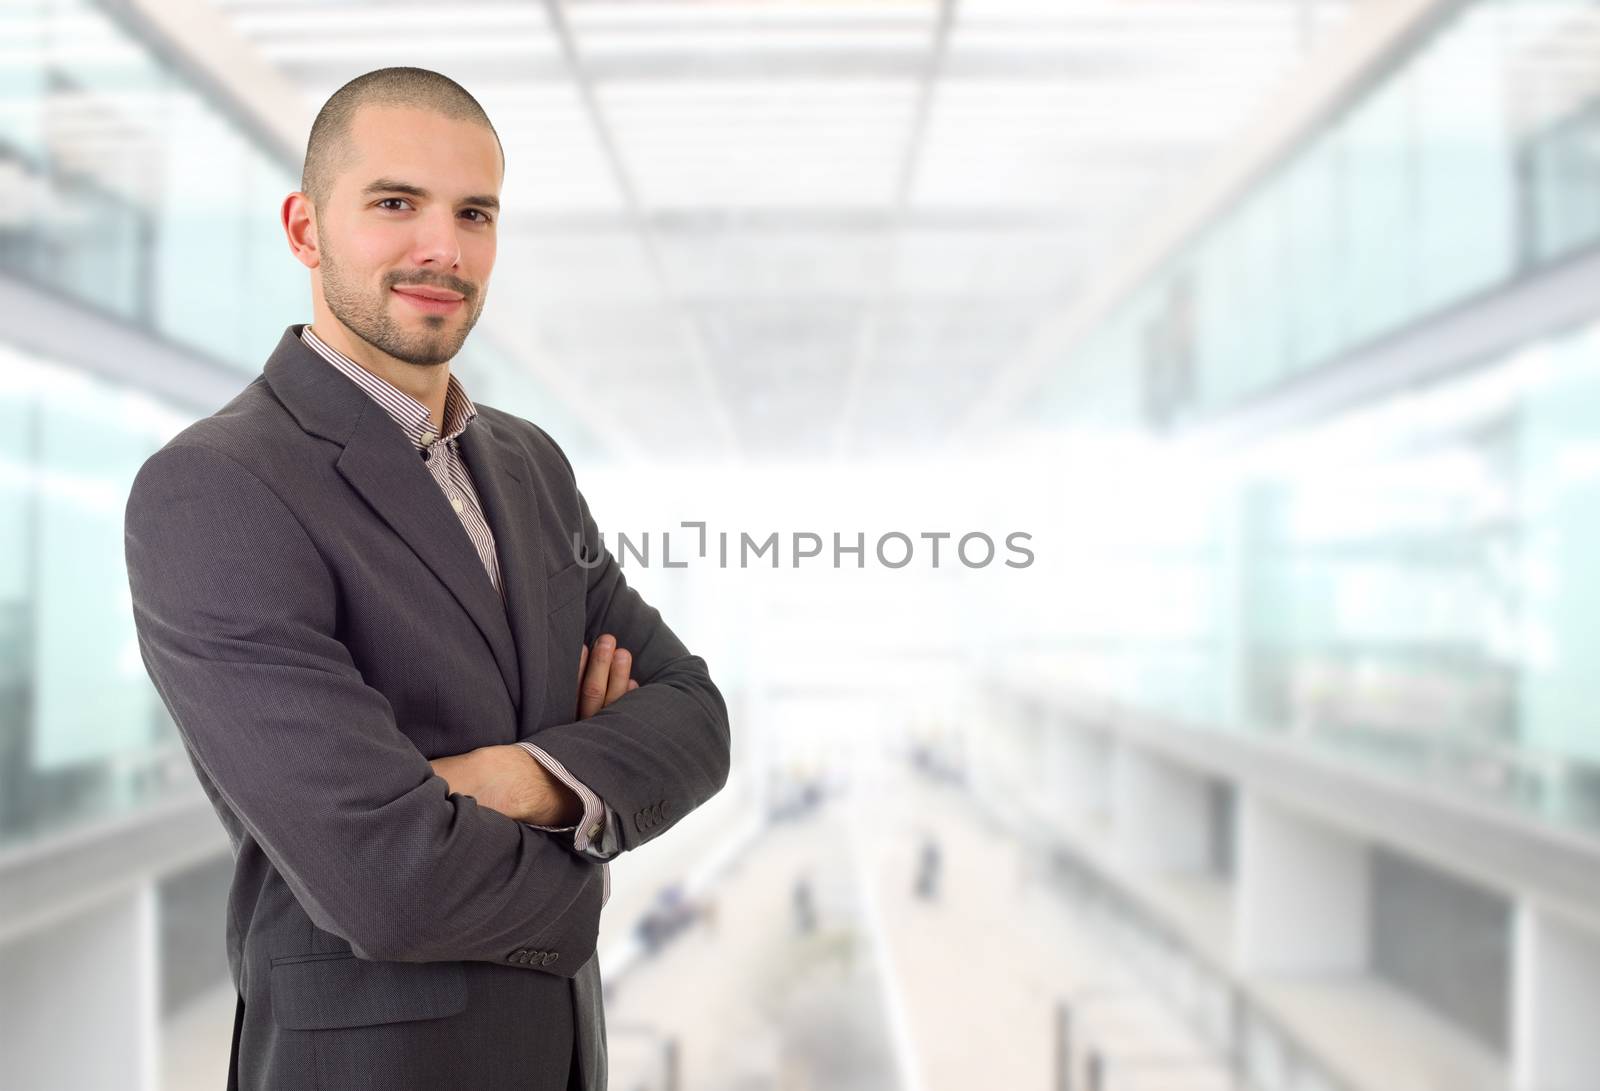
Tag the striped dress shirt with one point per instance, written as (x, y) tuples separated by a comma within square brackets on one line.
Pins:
[(595, 833)]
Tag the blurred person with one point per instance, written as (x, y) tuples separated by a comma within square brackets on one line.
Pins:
[(926, 883), (361, 597), (804, 905), (670, 914)]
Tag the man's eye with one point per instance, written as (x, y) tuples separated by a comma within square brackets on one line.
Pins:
[(386, 200), (480, 213)]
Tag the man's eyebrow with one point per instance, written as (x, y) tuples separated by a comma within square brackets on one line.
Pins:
[(389, 185)]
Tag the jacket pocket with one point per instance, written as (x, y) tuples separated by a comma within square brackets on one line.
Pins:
[(321, 992), (564, 586)]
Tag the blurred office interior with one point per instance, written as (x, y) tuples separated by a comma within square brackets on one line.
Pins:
[(1274, 325)]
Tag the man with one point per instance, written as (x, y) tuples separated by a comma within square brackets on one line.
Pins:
[(362, 598)]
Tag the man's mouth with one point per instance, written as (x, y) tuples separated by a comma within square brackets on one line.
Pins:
[(429, 300)]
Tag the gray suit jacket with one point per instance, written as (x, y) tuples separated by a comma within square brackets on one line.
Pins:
[(319, 626)]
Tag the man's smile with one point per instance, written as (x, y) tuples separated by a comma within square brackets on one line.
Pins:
[(430, 300)]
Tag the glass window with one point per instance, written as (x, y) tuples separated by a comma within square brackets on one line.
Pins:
[(1465, 222), (85, 733), (1379, 210), (129, 187), (1313, 254), (200, 230)]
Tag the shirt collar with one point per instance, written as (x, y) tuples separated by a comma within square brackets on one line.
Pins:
[(410, 414)]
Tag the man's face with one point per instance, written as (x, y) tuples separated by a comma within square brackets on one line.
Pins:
[(382, 244)]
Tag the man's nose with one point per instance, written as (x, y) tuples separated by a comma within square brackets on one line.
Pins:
[(438, 240)]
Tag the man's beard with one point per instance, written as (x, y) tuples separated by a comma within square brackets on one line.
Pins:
[(369, 320)]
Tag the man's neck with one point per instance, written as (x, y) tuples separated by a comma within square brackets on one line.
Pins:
[(427, 384)]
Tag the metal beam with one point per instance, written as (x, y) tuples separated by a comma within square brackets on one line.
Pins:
[(804, 220), (715, 404), (198, 40), (865, 352), (1476, 331), (66, 330)]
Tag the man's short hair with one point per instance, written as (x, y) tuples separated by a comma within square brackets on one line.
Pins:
[(327, 149)]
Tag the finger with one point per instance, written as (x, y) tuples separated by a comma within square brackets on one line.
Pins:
[(592, 691), (621, 663), (633, 684), (583, 659)]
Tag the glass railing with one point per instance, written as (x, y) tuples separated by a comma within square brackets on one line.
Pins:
[(1410, 585), (84, 734), (129, 192)]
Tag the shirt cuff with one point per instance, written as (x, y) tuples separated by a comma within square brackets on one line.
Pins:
[(610, 841), (598, 824)]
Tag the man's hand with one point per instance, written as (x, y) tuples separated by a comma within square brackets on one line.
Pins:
[(608, 676), (508, 779)]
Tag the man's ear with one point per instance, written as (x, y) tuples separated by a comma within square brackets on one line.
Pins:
[(299, 216)]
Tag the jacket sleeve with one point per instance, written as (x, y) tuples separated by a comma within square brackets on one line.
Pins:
[(235, 611), (658, 751)]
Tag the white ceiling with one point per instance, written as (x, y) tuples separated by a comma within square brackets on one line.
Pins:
[(808, 229)]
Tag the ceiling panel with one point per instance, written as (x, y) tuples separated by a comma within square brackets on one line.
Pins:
[(787, 229)]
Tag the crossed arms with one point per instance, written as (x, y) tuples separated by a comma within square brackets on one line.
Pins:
[(235, 610), (503, 778)]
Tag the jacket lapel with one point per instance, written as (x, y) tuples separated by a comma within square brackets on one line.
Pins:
[(505, 485), (383, 467)]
